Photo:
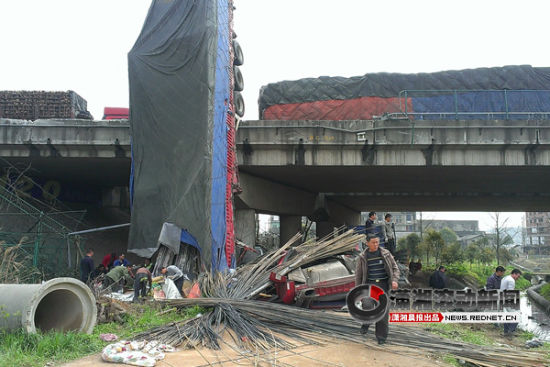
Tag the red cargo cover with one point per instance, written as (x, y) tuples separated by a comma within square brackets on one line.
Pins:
[(363, 108)]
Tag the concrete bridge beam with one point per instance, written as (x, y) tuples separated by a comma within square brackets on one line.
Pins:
[(273, 198)]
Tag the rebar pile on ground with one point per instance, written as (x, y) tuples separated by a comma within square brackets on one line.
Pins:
[(302, 324), (259, 325)]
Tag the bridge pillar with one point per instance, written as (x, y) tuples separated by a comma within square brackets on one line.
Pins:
[(289, 226), (245, 226), (323, 229), (117, 197), (339, 216)]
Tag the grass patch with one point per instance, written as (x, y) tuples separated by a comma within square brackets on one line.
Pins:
[(451, 361), (481, 272), (545, 291), (463, 333), (18, 349)]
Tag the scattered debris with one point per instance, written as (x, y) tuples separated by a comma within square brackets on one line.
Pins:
[(534, 343), (108, 337), (135, 353), (110, 310)]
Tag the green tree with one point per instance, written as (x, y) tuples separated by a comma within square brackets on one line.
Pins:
[(449, 236), (472, 253), (501, 236), (452, 254), (425, 250), (507, 255), (483, 242), (402, 244), (413, 242), (486, 255), (435, 243)]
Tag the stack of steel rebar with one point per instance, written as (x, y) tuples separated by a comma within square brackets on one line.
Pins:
[(258, 326), (32, 105)]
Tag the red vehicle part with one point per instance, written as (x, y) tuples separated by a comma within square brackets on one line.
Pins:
[(286, 289), (116, 113), (329, 287)]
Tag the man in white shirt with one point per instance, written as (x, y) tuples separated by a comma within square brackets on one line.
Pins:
[(174, 273), (509, 283)]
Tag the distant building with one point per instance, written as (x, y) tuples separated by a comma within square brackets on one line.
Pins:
[(471, 238), (537, 229), (273, 224), (460, 227)]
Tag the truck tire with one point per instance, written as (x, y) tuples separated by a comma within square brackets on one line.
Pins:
[(238, 80), (238, 102), (238, 52)]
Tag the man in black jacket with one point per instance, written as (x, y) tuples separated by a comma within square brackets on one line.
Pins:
[(370, 224), (86, 265), (438, 280)]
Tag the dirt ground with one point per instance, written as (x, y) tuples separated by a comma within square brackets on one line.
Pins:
[(336, 353)]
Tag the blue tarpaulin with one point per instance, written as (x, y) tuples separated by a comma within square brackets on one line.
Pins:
[(188, 238), (480, 104), (219, 154)]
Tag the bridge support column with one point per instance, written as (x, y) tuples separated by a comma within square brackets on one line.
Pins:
[(245, 226), (339, 216), (323, 229), (289, 226)]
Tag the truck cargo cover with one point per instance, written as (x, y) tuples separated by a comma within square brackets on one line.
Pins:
[(175, 170), (387, 85)]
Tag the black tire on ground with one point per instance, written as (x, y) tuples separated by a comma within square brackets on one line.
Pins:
[(238, 80), (238, 102), (238, 52)]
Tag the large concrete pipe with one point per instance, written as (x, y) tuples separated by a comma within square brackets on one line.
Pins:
[(542, 302), (62, 304)]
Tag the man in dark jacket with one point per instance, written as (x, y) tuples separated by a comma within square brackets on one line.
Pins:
[(390, 233), (438, 280), (86, 265), (142, 279), (370, 224), (493, 282), (377, 266)]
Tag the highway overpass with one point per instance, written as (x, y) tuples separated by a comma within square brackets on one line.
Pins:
[(328, 170)]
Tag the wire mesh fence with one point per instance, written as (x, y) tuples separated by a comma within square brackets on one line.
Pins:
[(37, 237)]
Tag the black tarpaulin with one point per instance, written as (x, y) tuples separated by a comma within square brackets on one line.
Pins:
[(171, 74), (518, 77)]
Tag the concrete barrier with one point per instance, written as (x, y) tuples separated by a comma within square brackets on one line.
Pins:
[(61, 304)]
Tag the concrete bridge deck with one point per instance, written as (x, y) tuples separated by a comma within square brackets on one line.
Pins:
[(360, 165), (394, 165)]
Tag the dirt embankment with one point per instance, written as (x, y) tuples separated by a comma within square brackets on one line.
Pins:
[(422, 280)]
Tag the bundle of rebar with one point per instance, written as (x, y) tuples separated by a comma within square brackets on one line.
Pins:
[(256, 325), (273, 320), (250, 280), (32, 105)]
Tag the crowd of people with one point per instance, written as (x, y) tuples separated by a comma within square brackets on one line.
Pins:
[(116, 272), (385, 231), (376, 265)]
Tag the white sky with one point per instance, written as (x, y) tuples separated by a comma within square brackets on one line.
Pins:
[(82, 44)]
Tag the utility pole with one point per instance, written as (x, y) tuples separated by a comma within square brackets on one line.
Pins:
[(421, 228)]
